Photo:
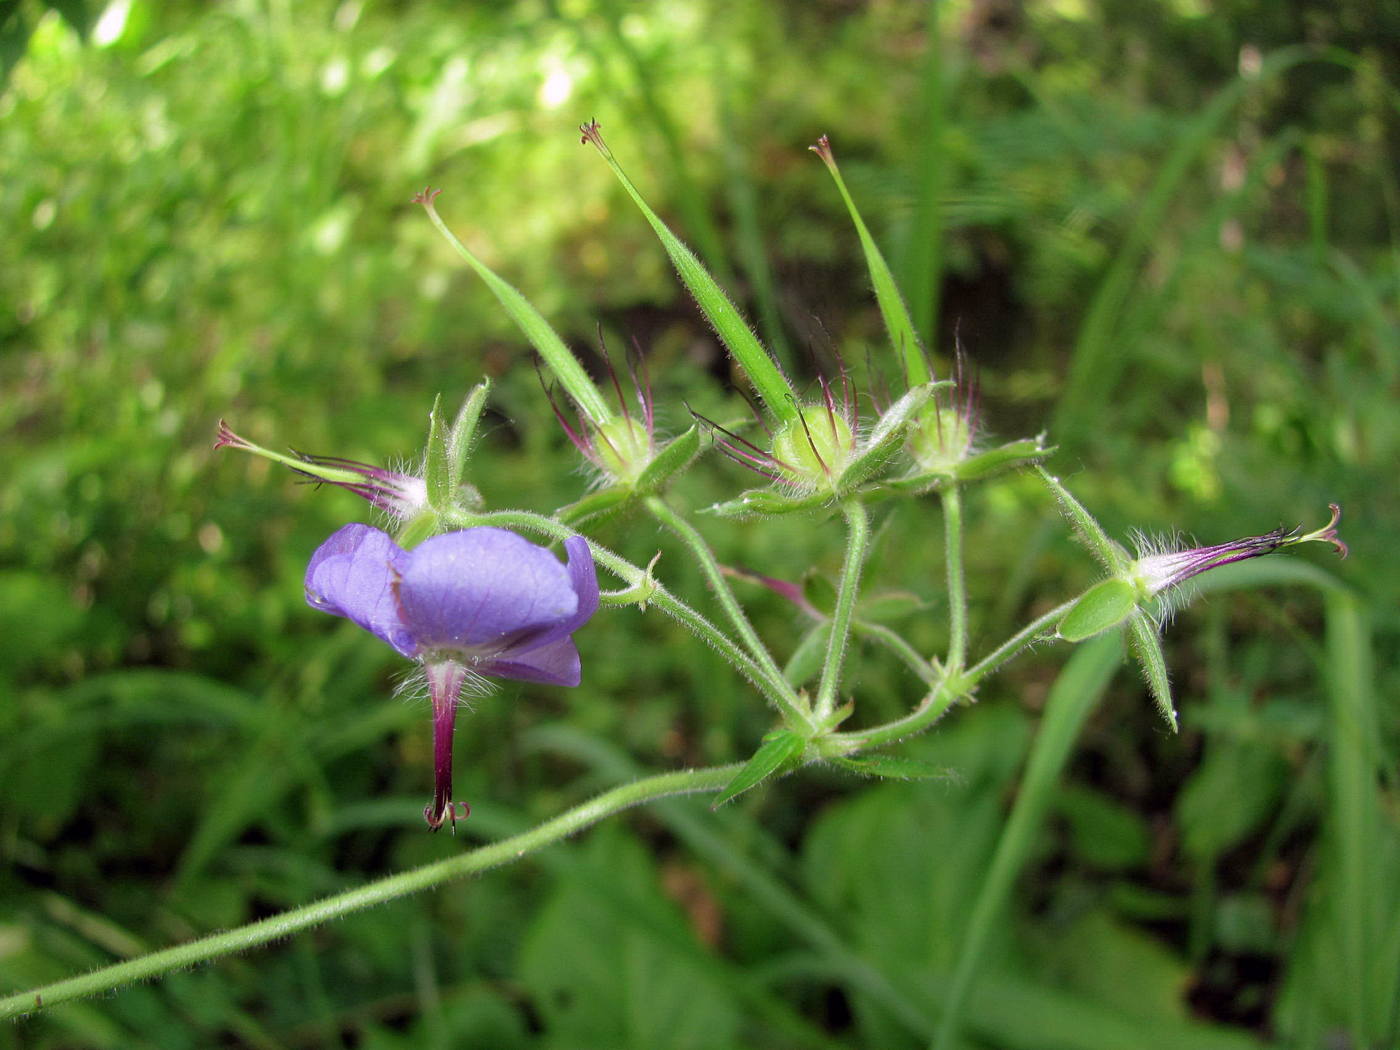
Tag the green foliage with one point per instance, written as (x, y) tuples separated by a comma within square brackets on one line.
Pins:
[(1191, 271)]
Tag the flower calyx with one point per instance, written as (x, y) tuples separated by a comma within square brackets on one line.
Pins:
[(822, 456)]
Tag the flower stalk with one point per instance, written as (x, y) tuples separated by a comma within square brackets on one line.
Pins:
[(843, 616), (793, 708), (957, 584)]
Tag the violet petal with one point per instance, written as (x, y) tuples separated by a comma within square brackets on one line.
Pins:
[(481, 589), (554, 664), (352, 574)]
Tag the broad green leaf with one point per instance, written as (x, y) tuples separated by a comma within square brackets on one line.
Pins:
[(1104, 832)]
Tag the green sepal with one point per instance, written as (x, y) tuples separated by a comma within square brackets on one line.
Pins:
[(426, 523), (678, 454), (833, 721), (1012, 456), (463, 434), (893, 767), (1106, 604), (596, 506), (820, 593), (886, 440), (780, 749), (1114, 558), (437, 470), (1147, 646)]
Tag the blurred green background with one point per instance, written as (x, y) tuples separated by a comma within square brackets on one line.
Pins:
[(1165, 233)]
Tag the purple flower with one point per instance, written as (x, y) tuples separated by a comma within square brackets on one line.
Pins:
[(481, 601), (1159, 568)]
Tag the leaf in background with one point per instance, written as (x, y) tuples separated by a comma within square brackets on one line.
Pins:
[(610, 961)]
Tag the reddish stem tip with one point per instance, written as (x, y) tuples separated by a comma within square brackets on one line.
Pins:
[(426, 196), (451, 812), (591, 133), (228, 439)]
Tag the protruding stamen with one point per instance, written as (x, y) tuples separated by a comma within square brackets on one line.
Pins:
[(445, 688), (1328, 532)]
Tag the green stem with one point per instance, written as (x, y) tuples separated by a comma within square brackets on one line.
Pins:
[(948, 689), (793, 709), (772, 684), (838, 639), (933, 707), (1022, 639), (895, 643), (957, 586), (277, 927)]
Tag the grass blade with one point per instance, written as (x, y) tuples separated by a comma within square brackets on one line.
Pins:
[(1078, 688)]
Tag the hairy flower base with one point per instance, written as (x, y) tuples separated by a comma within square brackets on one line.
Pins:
[(480, 601)]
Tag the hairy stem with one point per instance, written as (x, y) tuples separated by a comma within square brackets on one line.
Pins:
[(933, 707), (768, 681), (957, 586), (792, 709), (952, 686), (278, 926), (857, 545), (1022, 639)]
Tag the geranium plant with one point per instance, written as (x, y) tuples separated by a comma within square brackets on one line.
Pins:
[(469, 591)]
